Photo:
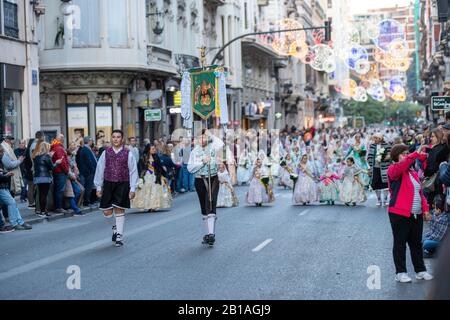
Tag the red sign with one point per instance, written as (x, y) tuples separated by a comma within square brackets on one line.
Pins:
[(328, 119)]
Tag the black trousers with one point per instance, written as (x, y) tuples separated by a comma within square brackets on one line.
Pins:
[(43, 188), (407, 231), (201, 187)]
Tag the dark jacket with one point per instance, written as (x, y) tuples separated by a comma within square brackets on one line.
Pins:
[(5, 181), (21, 153), (168, 165), (159, 171), (371, 158), (43, 166), (28, 162), (444, 174), (436, 156), (86, 161)]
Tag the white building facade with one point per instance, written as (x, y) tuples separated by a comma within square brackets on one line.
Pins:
[(19, 83)]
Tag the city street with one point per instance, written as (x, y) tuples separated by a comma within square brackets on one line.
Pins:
[(278, 251)]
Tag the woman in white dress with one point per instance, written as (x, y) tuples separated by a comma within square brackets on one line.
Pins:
[(260, 190), (287, 169), (244, 169), (153, 191), (226, 197), (352, 188), (305, 189)]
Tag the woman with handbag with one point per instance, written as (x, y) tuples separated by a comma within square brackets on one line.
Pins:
[(438, 152)]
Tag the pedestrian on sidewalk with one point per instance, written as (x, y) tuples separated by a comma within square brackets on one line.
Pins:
[(116, 179), (87, 163), (203, 164), (28, 161), (408, 208), (438, 228), (6, 199), (21, 151), (43, 168), (74, 174), (12, 163), (60, 173)]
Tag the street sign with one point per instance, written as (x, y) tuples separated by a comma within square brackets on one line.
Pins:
[(440, 103), (152, 115)]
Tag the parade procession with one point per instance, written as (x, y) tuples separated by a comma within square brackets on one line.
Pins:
[(224, 150)]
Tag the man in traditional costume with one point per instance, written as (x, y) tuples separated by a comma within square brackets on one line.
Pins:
[(116, 179)]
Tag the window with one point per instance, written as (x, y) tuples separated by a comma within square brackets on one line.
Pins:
[(77, 122), (13, 116), (117, 23), (10, 19), (88, 35)]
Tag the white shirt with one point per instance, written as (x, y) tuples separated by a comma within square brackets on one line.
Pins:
[(132, 167), (197, 155)]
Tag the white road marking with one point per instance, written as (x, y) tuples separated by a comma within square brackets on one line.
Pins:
[(62, 255), (304, 212), (262, 245)]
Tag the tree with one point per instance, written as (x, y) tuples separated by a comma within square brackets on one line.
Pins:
[(375, 111)]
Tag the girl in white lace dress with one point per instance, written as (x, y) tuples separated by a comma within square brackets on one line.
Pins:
[(226, 197), (352, 188), (260, 190)]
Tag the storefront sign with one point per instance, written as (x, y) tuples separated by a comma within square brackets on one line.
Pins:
[(152, 115), (174, 110), (328, 119), (440, 103)]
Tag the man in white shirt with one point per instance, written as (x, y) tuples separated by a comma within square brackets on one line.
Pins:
[(116, 179)]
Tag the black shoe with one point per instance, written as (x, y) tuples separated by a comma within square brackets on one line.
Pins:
[(32, 206), (119, 242), (6, 229), (354, 203), (23, 227), (114, 236), (212, 239), (205, 239), (347, 204), (332, 203), (40, 214)]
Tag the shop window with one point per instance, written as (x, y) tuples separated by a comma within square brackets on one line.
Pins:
[(13, 116), (77, 122), (103, 124)]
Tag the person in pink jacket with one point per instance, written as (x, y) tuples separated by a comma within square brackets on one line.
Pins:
[(407, 209)]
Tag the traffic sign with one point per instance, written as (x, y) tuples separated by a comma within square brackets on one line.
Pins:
[(440, 103), (152, 115)]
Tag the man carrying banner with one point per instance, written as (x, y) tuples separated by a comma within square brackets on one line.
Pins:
[(203, 164)]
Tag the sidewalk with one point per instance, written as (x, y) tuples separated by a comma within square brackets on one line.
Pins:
[(30, 217)]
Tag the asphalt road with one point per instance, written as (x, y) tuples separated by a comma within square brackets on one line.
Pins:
[(278, 251)]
